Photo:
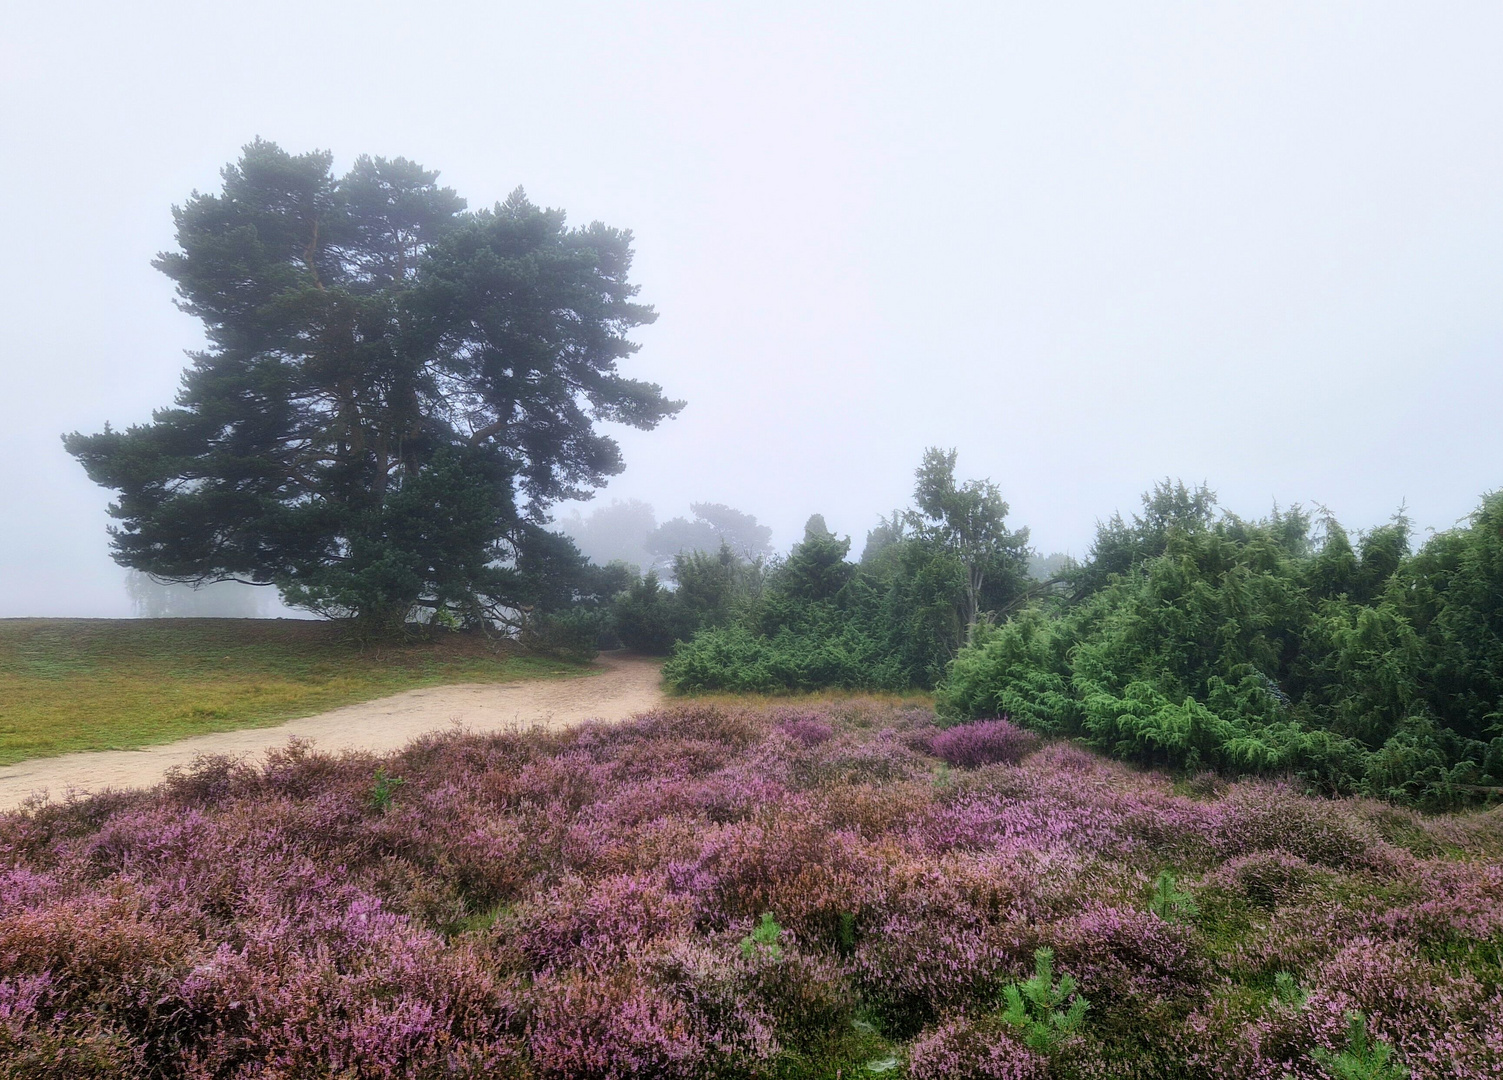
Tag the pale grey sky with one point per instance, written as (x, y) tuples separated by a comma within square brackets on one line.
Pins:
[(1089, 245)]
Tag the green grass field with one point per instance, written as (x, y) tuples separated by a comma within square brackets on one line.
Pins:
[(102, 684)]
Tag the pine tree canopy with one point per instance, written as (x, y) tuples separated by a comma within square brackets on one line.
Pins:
[(395, 388)]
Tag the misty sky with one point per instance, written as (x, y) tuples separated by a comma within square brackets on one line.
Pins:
[(1259, 245)]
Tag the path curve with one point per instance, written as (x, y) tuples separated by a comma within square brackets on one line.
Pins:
[(623, 686)]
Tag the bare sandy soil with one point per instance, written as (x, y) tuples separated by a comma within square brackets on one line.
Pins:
[(623, 686)]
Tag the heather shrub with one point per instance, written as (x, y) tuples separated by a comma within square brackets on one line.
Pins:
[(22, 888), (722, 891), (397, 1006), (36, 1043), (595, 923), (787, 862), (1451, 907), (983, 742), (614, 1025), (1319, 831), (1068, 758), (1299, 937), (1432, 1021), (1123, 957), (1266, 879), (807, 995), (1261, 1037), (209, 779), (889, 809), (91, 975), (858, 760), (1404, 999), (974, 1049), (486, 861), (931, 947), (808, 730)]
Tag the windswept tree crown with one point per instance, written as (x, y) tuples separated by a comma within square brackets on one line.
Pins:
[(395, 388)]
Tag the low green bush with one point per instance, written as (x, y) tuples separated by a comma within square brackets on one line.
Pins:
[(1251, 647)]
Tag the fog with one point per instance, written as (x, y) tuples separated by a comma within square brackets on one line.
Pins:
[(629, 532), (151, 599), (1088, 245)]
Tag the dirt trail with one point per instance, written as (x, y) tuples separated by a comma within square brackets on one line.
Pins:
[(624, 686)]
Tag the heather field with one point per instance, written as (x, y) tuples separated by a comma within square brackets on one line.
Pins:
[(841, 889)]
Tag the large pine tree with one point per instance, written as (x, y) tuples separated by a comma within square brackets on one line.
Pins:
[(395, 389)]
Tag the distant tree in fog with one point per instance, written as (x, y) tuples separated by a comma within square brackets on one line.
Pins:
[(816, 569), (614, 533), (152, 599), (883, 539), (815, 527), (714, 525), (1048, 567)]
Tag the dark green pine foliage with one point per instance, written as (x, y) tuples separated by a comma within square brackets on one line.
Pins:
[(1267, 647), (1451, 594), (814, 624), (891, 622), (393, 392), (711, 590)]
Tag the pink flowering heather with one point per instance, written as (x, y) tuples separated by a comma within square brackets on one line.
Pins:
[(711, 891), (932, 951), (1126, 954), (806, 729), (965, 1049), (983, 742), (1266, 879)]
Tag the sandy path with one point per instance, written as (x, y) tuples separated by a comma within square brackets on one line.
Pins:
[(624, 686)]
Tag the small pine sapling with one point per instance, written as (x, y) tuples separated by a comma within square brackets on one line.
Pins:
[(763, 939), (1037, 1007), (1363, 1059), (846, 933), (1286, 991), (383, 790), (1169, 903)]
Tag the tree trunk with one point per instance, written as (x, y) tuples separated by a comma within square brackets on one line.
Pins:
[(975, 578)]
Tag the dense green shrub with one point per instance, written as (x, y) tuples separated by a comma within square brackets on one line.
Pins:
[(1250, 647), (823, 622), (574, 634), (814, 626), (1190, 638), (891, 622), (710, 590), (817, 654)]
